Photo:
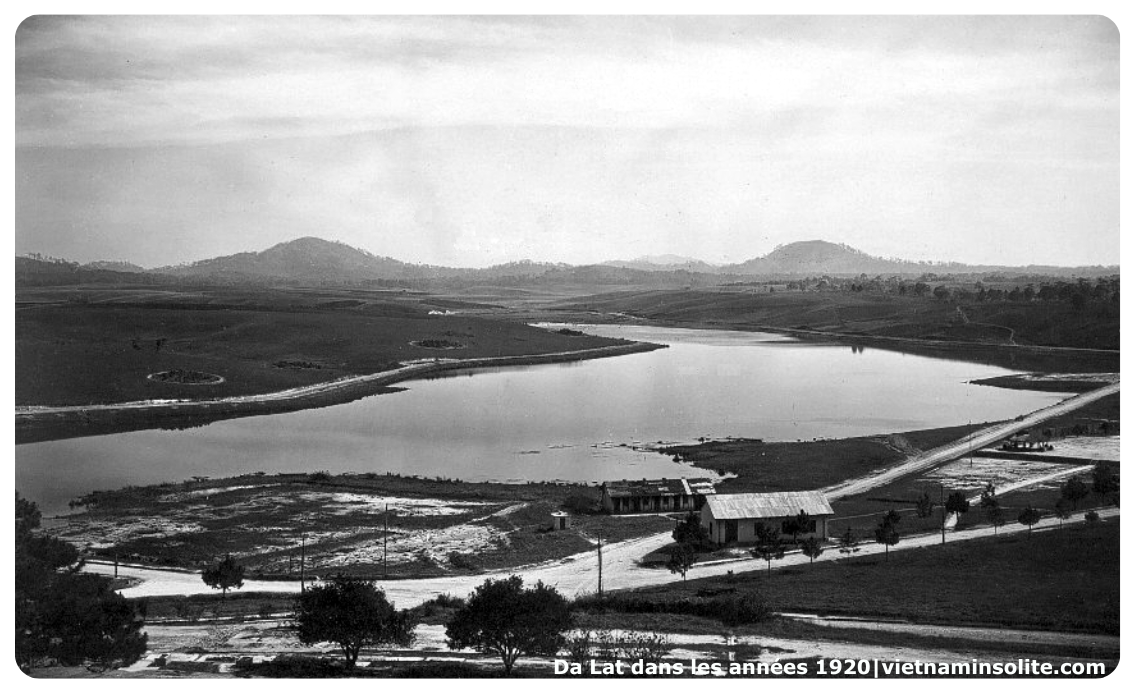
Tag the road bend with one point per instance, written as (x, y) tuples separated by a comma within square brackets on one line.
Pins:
[(973, 442)]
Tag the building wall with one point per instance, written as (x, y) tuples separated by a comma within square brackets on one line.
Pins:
[(648, 504), (746, 528)]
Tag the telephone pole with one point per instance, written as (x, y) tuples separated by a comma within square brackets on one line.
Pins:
[(941, 492), (599, 563), (302, 562), (385, 574)]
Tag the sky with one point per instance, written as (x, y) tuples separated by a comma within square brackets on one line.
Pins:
[(470, 141)]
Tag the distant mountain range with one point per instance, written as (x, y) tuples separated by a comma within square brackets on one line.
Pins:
[(311, 260)]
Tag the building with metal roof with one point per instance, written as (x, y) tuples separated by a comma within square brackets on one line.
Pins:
[(656, 496), (731, 518)]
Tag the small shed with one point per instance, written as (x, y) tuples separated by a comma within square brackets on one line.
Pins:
[(735, 518), (561, 520)]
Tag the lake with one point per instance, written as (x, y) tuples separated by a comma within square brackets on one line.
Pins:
[(581, 421)]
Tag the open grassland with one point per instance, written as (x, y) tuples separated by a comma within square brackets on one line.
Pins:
[(76, 346), (434, 527), (763, 466), (1066, 580), (986, 332)]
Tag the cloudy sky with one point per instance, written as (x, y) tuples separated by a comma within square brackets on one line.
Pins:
[(473, 141)]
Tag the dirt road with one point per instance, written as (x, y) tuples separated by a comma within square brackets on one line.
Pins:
[(978, 440), (572, 576)]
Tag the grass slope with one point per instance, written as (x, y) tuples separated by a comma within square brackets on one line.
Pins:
[(1065, 580)]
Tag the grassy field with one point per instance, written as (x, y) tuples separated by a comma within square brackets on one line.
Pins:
[(1066, 580), (99, 346), (434, 527), (988, 325), (762, 466)]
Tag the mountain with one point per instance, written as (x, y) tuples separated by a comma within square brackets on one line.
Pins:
[(113, 265), (315, 261), (667, 262), (307, 260), (814, 258)]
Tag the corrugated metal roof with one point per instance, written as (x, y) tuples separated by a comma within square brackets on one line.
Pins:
[(770, 505), (661, 487)]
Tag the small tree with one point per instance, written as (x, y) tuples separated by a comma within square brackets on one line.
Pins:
[(691, 532), (1064, 509), (227, 574), (768, 545), (958, 504), (886, 532), (503, 618), (1074, 490), (1092, 517), (924, 506), (681, 559), (352, 613), (848, 545), (796, 525), (1104, 483), (995, 514), (811, 548), (1029, 518)]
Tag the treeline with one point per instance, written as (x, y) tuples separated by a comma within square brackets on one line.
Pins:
[(1079, 292)]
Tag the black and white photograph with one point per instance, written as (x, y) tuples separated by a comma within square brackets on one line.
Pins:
[(567, 346)]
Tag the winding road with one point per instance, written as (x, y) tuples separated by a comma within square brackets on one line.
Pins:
[(578, 574)]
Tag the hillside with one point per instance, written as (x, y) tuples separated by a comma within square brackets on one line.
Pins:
[(314, 261), (816, 258), (307, 260)]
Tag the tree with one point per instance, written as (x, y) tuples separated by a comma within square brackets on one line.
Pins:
[(1104, 482), (691, 532), (63, 616), (995, 514), (958, 504), (1064, 509), (352, 613), (796, 525), (848, 545), (227, 574), (1029, 518), (1073, 491), (681, 559), (1092, 517), (768, 545), (886, 532), (811, 548), (503, 618), (923, 506)]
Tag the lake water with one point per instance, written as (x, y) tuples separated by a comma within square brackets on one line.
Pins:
[(580, 421)]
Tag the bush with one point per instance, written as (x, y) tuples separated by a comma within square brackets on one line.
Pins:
[(729, 606), (464, 562), (581, 504)]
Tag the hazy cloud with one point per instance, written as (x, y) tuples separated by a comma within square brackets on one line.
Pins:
[(479, 140)]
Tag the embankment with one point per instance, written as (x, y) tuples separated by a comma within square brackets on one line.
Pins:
[(35, 424)]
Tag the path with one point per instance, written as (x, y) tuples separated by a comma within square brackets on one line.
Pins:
[(572, 576), (956, 449), (407, 371)]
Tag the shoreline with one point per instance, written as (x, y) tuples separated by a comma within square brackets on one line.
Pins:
[(1077, 359), (36, 424)]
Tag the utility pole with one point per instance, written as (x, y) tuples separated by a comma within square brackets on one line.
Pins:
[(599, 563), (302, 562), (385, 574), (941, 492)]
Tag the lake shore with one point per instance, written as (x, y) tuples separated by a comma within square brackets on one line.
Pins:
[(36, 424)]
